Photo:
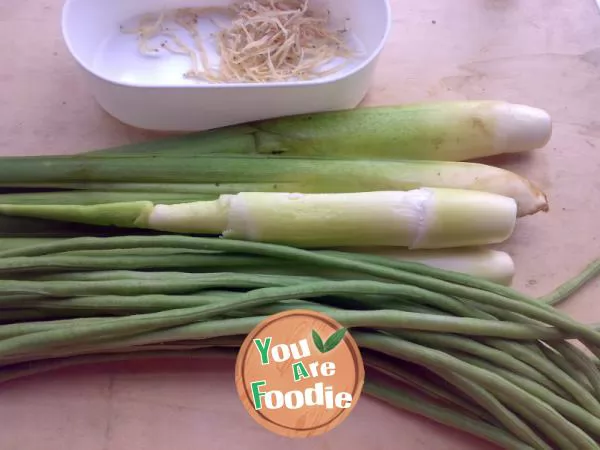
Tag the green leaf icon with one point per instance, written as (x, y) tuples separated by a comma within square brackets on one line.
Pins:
[(318, 341), (334, 340)]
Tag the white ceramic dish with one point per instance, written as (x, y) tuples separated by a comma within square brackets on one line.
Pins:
[(150, 92)]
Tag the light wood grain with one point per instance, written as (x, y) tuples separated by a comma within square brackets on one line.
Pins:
[(539, 52)]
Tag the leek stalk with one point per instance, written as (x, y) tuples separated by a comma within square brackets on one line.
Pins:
[(481, 262), (418, 219), (444, 131), (78, 197), (216, 175)]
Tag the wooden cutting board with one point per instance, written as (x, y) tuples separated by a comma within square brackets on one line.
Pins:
[(542, 53)]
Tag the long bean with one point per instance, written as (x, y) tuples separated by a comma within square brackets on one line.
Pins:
[(16, 329), (326, 257), (371, 360), (561, 378), (507, 366), (562, 292), (564, 364), (385, 392), (422, 276), (571, 411), (581, 361), (248, 325), (563, 433), (389, 319), (399, 270), (113, 275), (446, 342), (196, 282), (385, 319), (366, 301), (183, 259), (114, 303), (209, 281), (127, 326), (404, 400), (540, 370), (539, 447), (567, 289), (128, 262), (438, 390), (504, 415), (192, 332), (536, 367), (17, 300), (152, 283), (425, 297)]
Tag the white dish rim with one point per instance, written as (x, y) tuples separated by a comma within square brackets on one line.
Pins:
[(265, 85)]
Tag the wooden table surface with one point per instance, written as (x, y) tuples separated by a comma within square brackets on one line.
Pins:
[(538, 52)]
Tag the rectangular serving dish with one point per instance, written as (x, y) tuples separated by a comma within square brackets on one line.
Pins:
[(150, 92)]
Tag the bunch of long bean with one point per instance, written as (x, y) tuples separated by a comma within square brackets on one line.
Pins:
[(465, 352)]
